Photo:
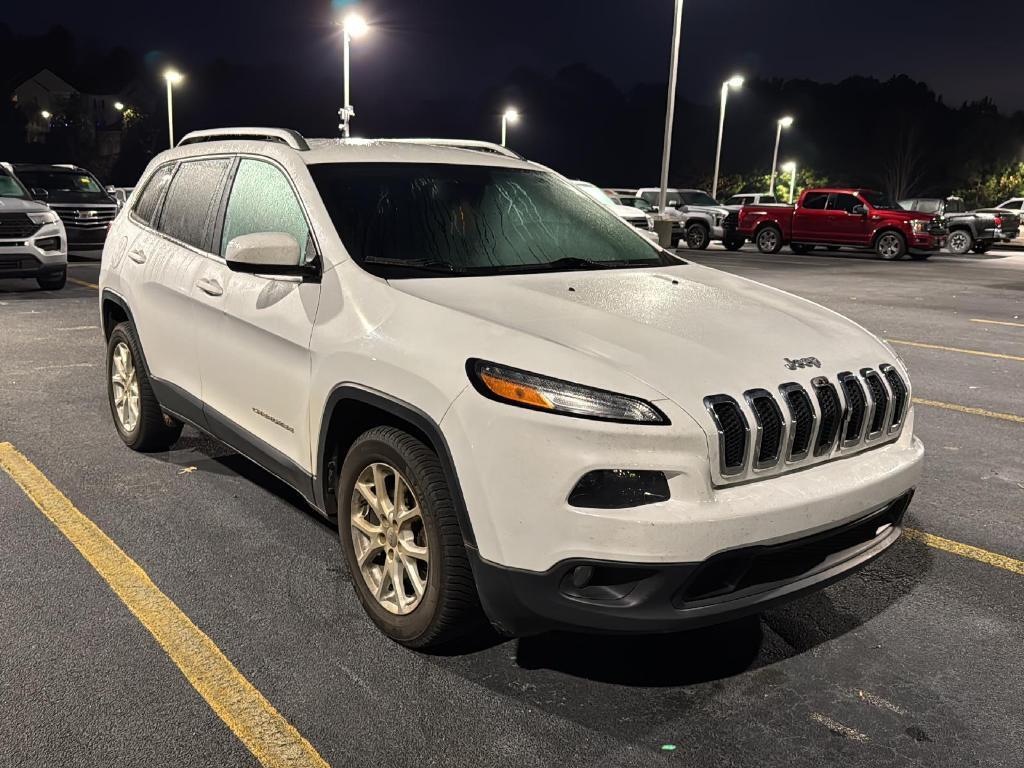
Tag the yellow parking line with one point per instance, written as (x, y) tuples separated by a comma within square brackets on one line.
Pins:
[(270, 738), (966, 550), (968, 409), (922, 345), (76, 281), (997, 322)]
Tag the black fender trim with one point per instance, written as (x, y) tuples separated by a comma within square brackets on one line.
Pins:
[(409, 413), (109, 295)]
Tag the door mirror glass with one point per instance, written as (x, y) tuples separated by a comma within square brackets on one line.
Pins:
[(859, 210), (40, 194), (265, 253)]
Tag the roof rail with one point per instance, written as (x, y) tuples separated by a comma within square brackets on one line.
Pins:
[(286, 136), (470, 144)]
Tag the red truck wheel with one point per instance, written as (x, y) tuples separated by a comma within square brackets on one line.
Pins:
[(890, 246), (769, 240)]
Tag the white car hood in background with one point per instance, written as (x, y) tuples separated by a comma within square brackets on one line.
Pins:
[(629, 212), (19, 205), (686, 331)]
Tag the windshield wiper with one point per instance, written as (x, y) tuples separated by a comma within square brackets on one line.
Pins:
[(424, 265)]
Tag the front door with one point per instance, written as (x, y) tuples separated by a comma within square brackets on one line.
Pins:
[(846, 225), (255, 363)]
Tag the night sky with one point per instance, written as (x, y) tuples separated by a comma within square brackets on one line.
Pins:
[(440, 48)]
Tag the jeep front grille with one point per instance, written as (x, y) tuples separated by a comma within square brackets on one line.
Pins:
[(796, 426)]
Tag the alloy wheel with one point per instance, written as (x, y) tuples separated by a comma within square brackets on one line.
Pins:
[(959, 242), (389, 538), (125, 383), (767, 240), (889, 246)]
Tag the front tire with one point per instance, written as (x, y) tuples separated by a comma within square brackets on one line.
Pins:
[(890, 246), (697, 236), (402, 541), (53, 282), (960, 241), (138, 417), (769, 240)]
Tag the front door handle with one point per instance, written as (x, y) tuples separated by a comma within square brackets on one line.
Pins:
[(138, 256), (210, 286)]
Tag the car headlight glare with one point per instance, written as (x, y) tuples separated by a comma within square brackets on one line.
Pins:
[(919, 226), (542, 393), (44, 217)]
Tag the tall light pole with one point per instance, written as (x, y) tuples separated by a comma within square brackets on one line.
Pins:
[(352, 27), (783, 122), (509, 116), (172, 78), (673, 74), (736, 81), (790, 168)]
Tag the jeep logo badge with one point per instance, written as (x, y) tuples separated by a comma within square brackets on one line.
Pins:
[(803, 362)]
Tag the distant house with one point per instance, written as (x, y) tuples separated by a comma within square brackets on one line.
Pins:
[(48, 92)]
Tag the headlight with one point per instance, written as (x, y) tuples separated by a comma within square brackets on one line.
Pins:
[(541, 393), (919, 226), (44, 217)]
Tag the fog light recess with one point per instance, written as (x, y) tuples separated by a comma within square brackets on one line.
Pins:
[(619, 489)]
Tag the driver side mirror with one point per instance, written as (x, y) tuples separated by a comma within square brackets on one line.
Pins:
[(265, 253), (860, 210), (40, 194)]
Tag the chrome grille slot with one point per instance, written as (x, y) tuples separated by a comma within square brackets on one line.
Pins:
[(880, 399), (733, 432), (831, 415), (801, 421), (768, 443), (856, 409), (899, 396), (17, 225)]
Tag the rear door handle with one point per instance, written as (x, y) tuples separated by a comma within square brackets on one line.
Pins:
[(137, 256), (210, 286)]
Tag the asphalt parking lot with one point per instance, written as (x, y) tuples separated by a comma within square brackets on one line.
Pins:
[(915, 660)]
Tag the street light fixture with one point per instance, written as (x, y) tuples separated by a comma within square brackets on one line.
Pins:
[(783, 122), (736, 81), (45, 115), (172, 77), (510, 115), (119, 106), (353, 26), (790, 168)]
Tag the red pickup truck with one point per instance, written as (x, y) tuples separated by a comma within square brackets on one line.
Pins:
[(856, 218)]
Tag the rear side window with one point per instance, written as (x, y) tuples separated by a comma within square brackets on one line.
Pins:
[(815, 201), (262, 200), (145, 208), (190, 209), (768, 199)]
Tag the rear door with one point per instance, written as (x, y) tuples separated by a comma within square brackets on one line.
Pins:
[(809, 218), (255, 362)]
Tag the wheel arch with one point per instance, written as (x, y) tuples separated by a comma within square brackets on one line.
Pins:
[(889, 228), (350, 410), (763, 225), (113, 310)]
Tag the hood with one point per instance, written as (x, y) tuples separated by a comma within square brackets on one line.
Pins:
[(21, 205), (685, 331), (907, 215), (629, 212)]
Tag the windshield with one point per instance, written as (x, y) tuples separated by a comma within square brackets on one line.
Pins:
[(417, 220), (880, 201), (925, 206), (636, 202), (596, 193), (697, 198), (61, 181), (9, 187)]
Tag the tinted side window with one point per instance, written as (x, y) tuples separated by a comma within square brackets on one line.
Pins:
[(768, 199), (262, 200), (145, 208), (190, 209), (815, 201), (954, 206), (843, 203)]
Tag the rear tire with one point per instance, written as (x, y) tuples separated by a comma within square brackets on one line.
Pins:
[(769, 240), (53, 282), (697, 236), (137, 415), (891, 246), (435, 599), (960, 241)]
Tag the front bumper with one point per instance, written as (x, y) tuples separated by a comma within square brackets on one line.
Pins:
[(926, 243), (87, 238), (22, 257), (630, 598)]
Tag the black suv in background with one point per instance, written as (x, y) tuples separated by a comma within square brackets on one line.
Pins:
[(85, 207), (968, 230)]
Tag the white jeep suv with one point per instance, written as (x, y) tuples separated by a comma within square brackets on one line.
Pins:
[(514, 405)]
